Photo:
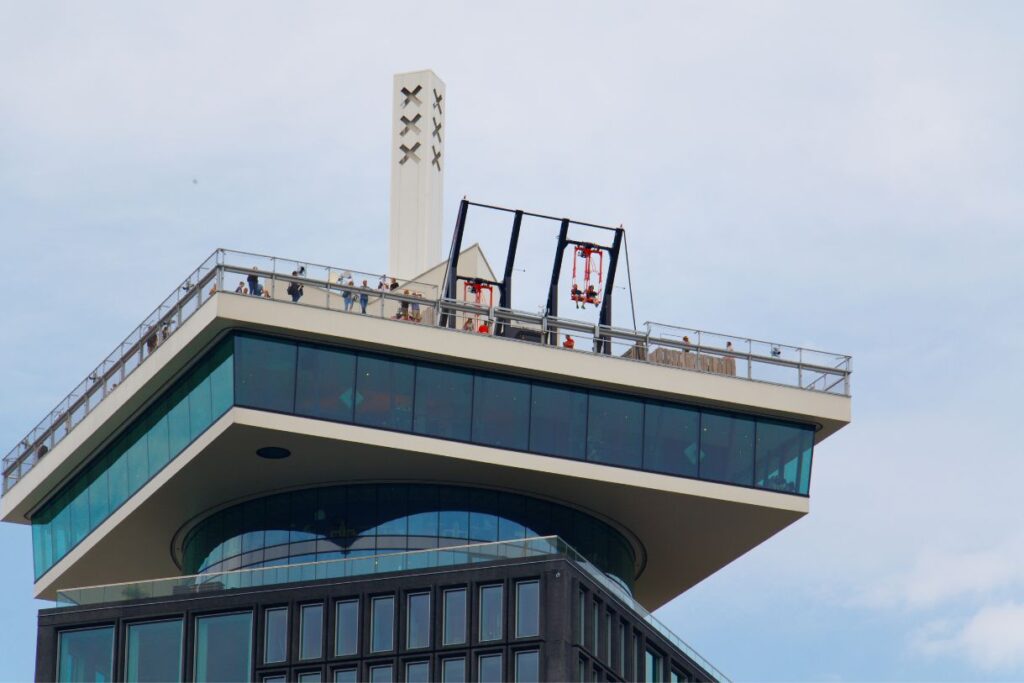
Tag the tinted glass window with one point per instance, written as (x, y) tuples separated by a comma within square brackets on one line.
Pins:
[(417, 621), (527, 666), (727, 448), (382, 625), (224, 647), (309, 677), (417, 672), (384, 390), (527, 609), (781, 452), (455, 616), (444, 400), (265, 373), (558, 421), (86, 655), (346, 628), (615, 430), (154, 652), (652, 667), (671, 438), (490, 669), (491, 613), (325, 383), (275, 639), (345, 676), (311, 631), (453, 670), (501, 412), (381, 673)]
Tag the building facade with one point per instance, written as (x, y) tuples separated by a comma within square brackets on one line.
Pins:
[(338, 488)]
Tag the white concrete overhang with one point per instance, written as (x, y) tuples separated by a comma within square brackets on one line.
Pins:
[(685, 529), (707, 524)]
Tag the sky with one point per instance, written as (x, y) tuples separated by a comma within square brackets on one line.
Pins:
[(843, 176)]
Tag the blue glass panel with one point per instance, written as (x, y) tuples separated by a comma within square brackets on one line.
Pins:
[(454, 518), (391, 501), (615, 430), (417, 672), (382, 624), (490, 669), (501, 412), (558, 421), (265, 373), (781, 448), (527, 666), (384, 392), (671, 438), (454, 617), (423, 515), (453, 670), (278, 519), (223, 648), (483, 516), (444, 400), (302, 516), (325, 387), (492, 612), (727, 448), (275, 635), (512, 509), (346, 628), (154, 652), (527, 609), (311, 631), (381, 673), (417, 632), (346, 676), (232, 531), (86, 655)]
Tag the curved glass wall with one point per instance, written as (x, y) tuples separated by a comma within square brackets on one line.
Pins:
[(370, 519)]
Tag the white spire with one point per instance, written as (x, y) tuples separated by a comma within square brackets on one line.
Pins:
[(417, 173)]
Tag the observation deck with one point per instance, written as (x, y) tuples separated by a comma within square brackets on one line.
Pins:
[(715, 431), (671, 347)]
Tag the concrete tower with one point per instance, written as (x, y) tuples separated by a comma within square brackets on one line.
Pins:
[(417, 173)]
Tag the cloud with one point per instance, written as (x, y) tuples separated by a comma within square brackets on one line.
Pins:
[(992, 639)]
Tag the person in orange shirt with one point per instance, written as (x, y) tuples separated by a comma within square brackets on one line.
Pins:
[(569, 342)]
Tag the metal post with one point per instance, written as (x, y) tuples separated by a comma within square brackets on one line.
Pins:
[(556, 271)]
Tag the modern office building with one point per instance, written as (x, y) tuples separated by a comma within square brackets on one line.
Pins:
[(341, 482)]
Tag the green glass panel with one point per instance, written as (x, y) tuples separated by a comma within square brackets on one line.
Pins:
[(558, 421), (501, 412), (158, 445), (615, 430), (200, 409), (154, 652), (265, 373), (117, 478), (99, 496), (223, 648), (78, 507), (86, 655), (178, 433), (671, 439), (780, 451), (444, 400), (326, 383), (727, 448), (384, 392), (61, 526), (222, 380), (137, 458)]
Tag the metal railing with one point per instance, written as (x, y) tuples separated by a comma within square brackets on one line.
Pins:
[(430, 558), (361, 293)]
